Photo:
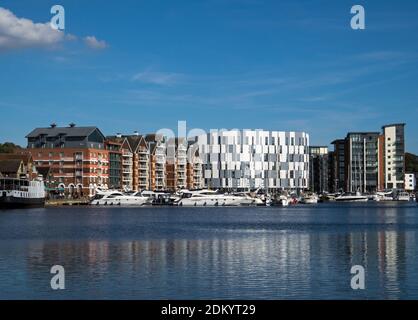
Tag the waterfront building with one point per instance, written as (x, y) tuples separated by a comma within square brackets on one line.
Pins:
[(252, 159), (194, 167), (143, 156), (134, 162), (114, 148), (176, 164), (410, 182), (29, 168), (338, 174), (362, 161), (76, 156), (157, 164), (12, 168), (394, 155), (381, 163), (318, 169)]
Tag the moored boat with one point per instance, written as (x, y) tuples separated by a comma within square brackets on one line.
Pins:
[(208, 198), (350, 197), (309, 199), (21, 193), (116, 198), (403, 196)]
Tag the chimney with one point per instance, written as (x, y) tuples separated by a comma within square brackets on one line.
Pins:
[(53, 125), (72, 125)]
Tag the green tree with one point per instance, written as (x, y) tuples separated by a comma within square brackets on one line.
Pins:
[(9, 147)]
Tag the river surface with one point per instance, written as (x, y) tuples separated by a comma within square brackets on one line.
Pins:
[(300, 252)]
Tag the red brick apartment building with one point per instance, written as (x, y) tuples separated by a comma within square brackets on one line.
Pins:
[(76, 156)]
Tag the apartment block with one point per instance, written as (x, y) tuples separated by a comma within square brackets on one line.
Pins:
[(157, 164), (338, 174), (394, 155), (194, 167), (370, 161), (251, 159), (115, 163), (318, 169), (362, 161), (76, 157), (134, 155), (176, 164)]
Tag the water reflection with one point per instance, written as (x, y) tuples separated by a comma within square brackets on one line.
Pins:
[(295, 255)]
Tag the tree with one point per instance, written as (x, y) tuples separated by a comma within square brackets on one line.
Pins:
[(411, 163), (9, 147)]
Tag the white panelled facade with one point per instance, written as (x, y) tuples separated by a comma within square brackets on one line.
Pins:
[(251, 159)]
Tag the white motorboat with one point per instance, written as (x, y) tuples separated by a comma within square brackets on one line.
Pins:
[(113, 198), (309, 199), (283, 201), (383, 196), (207, 198), (350, 197), (403, 196)]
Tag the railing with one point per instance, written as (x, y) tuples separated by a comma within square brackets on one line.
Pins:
[(127, 154)]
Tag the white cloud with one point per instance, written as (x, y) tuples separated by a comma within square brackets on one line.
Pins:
[(160, 78), (94, 43), (17, 33), (21, 33)]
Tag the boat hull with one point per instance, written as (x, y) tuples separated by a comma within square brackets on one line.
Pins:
[(122, 203), (352, 200), (10, 202), (218, 202)]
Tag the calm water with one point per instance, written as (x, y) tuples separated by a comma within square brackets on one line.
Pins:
[(301, 252)]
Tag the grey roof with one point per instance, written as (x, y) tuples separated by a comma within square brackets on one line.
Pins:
[(394, 125), (68, 131)]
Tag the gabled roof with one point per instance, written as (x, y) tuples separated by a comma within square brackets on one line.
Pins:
[(68, 131), (134, 142), (25, 157), (152, 137), (10, 166)]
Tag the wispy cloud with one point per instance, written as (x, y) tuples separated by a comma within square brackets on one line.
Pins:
[(158, 78), (94, 43)]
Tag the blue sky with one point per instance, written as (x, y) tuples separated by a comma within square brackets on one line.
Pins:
[(278, 65)]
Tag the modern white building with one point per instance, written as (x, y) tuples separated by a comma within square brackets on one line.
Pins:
[(394, 155), (251, 159), (410, 182)]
